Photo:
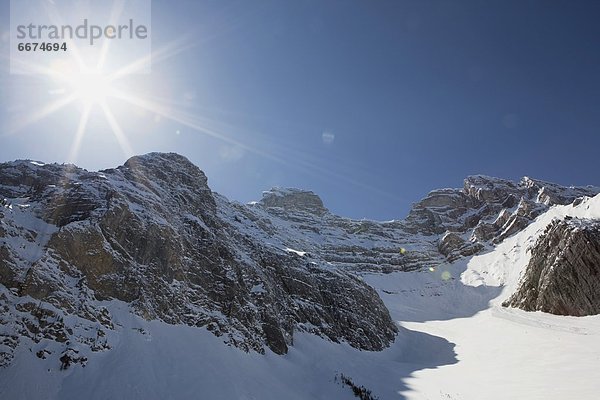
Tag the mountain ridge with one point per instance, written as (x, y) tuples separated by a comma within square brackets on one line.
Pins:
[(153, 234)]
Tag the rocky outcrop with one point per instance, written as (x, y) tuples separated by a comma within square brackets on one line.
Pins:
[(489, 209), (453, 246), (563, 275), (293, 200), (150, 233), (484, 212)]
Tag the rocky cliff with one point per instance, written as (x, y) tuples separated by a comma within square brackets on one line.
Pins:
[(151, 234), (563, 275)]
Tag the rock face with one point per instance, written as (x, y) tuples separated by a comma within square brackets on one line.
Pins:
[(489, 209), (151, 234), (563, 275), (453, 246), (292, 200)]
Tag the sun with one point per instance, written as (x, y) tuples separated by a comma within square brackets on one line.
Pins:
[(94, 81), (90, 87), (75, 82), (83, 79)]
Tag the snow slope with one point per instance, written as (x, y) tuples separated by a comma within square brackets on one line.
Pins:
[(153, 360), (502, 353), (504, 266), (456, 343)]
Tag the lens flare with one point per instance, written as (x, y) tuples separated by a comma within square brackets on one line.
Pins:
[(91, 88)]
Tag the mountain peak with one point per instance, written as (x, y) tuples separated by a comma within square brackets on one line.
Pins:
[(168, 161), (293, 200), (485, 181), (168, 167)]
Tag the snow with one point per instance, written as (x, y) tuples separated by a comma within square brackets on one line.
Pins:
[(461, 351), (501, 353), (455, 340), (258, 289), (344, 242), (36, 232), (300, 253), (501, 358), (283, 191), (504, 266), (151, 359)]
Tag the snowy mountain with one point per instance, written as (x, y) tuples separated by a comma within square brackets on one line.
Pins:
[(140, 282)]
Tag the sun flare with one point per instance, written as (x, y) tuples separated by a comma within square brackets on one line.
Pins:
[(101, 85), (92, 88)]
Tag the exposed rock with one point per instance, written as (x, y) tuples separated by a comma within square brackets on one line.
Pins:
[(485, 189), (293, 200), (453, 246), (563, 275), (149, 233), (70, 357), (492, 209), (450, 242)]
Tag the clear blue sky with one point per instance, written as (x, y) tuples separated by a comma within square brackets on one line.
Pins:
[(370, 104)]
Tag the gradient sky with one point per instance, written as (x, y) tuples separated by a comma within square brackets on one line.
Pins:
[(370, 104)]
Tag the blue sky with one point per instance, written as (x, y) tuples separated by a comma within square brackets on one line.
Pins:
[(370, 104)]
